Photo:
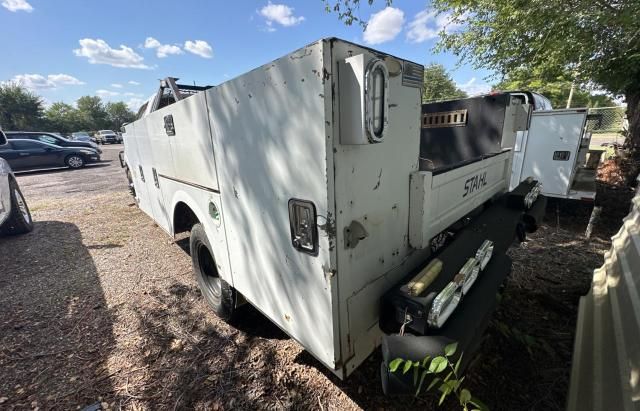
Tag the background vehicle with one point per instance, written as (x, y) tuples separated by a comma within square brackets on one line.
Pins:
[(81, 136), (107, 137), (15, 217), (320, 211), (33, 154), (52, 138)]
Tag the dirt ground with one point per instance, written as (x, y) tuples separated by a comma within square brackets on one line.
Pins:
[(99, 307)]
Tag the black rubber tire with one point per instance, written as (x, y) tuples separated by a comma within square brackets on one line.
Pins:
[(219, 294), (16, 223), (67, 162)]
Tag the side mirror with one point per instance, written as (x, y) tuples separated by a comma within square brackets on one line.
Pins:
[(3, 138), (122, 128)]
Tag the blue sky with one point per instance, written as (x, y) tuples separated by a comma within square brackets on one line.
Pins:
[(119, 49)]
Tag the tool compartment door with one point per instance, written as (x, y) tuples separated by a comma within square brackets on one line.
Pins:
[(552, 149)]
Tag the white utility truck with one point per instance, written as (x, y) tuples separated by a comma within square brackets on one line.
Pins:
[(302, 188)]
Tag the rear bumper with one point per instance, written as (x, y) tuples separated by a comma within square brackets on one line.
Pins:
[(499, 223)]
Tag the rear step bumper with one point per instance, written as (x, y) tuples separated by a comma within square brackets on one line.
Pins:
[(466, 326)]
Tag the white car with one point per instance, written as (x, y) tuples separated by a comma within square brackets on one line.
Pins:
[(15, 217)]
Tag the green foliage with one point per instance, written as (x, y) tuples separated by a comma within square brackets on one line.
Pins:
[(555, 86), (596, 39), (93, 113), (530, 342), (20, 109), (347, 10), (118, 114), (435, 367), (438, 85)]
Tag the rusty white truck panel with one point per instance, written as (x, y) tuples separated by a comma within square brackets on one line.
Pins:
[(270, 143)]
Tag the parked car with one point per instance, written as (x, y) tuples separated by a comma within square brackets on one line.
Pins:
[(32, 154), (108, 137), (15, 217), (52, 138), (82, 136)]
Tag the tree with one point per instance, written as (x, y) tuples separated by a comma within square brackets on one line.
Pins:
[(598, 41), (20, 109), (346, 10), (438, 85), (555, 86), (63, 118), (118, 114), (92, 113)]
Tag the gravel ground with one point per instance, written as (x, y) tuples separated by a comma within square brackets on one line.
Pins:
[(98, 305)]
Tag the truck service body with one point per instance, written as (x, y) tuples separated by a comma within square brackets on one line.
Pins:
[(305, 176)]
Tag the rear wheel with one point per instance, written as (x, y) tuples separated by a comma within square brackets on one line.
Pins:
[(19, 221), (74, 161), (218, 293)]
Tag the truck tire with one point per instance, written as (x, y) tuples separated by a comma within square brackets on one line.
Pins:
[(19, 221), (219, 294)]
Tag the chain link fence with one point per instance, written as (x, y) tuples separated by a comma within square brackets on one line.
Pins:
[(607, 125)]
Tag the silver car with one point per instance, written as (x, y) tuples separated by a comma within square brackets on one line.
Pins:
[(15, 217)]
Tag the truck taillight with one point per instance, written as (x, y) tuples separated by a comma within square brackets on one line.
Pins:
[(302, 222)]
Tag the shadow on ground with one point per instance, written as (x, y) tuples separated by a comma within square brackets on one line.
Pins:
[(55, 328)]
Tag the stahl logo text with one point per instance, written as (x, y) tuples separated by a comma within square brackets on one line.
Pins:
[(475, 183)]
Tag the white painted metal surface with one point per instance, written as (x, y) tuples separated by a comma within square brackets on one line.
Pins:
[(251, 144), (537, 152), (437, 201), (606, 358)]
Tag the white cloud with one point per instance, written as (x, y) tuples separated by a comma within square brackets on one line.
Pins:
[(199, 47), (99, 52), (40, 82), (384, 26), (473, 89), (17, 5), (134, 83), (162, 50), (134, 104), (130, 94), (116, 85), (281, 14), (428, 24), (107, 93), (65, 79)]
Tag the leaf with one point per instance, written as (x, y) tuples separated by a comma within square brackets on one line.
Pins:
[(482, 406), (433, 383), (416, 373), (422, 377), (450, 349), (425, 361), (393, 365), (438, 364), (465, 396), (407, 366), (457, 367), (448, 376), (445, 392)]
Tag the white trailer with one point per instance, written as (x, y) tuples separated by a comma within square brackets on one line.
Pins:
[(301, 186)]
